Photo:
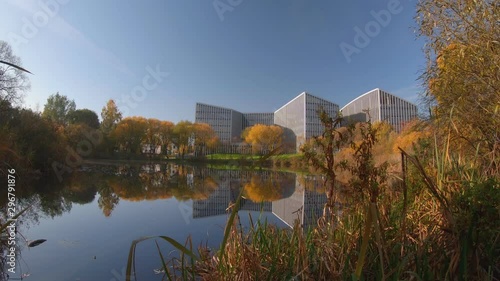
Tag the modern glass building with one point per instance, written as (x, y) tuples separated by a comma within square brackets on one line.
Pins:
[(225, 122), (304, 205), (300, 118), (250, 119), (381, 106)]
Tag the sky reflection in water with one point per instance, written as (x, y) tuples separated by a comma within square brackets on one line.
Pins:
[(91, 219)]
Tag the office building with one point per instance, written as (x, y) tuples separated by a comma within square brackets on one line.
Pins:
[(225, 122), (250, 119), (381, 106), (299, 117)]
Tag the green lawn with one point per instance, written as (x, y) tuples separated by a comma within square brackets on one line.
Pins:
[(221, 156)]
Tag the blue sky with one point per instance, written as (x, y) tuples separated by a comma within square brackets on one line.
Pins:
[(253, 56)]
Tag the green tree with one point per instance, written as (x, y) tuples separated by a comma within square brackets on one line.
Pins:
[(58, 108), (76, 133), (34, 142), (84, 116)]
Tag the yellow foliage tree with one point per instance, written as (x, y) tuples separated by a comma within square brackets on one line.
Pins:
[(130, 133), (264, 138), (259, 190), (204, 137), (463, 73), (182, 135), (166, 135)]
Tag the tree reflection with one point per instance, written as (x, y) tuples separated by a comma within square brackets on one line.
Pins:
[(81, 188), (150, 182), (269, 186), (108, 199)]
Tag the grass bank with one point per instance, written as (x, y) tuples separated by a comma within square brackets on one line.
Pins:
[(439, 219)]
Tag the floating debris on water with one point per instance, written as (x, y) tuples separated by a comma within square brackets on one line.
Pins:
[(35, 243)]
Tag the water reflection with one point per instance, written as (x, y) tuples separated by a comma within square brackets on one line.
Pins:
[(105, 207), (287, 195)]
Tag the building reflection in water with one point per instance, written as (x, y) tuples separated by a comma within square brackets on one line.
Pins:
[(296, 201)]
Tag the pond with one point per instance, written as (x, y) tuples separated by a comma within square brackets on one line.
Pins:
[(90, 220)]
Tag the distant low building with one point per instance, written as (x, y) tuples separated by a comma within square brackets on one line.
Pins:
[(151, 149)]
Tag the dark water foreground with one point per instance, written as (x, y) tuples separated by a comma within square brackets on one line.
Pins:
[(91, 219)]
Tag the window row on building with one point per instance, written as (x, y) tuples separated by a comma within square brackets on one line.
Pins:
[(379, 105), (299, 117)]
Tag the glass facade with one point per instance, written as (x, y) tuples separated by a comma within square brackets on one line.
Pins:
[(292, 117), (299, 117), (396, 111), (225, 122), (381, 106), (250, 119), (313, 106), (301, 120), (303, 204)]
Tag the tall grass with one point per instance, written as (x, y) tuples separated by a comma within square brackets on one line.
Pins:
[(440, 222)]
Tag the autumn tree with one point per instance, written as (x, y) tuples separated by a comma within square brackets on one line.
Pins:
[(58, 108), (264, 138), (152, 138), (110, 117), (84, 116), (108, 199), (129, 134), (182, 136), (413, 133), (463, 72), (204, 137), (263, 190), (166, 135)]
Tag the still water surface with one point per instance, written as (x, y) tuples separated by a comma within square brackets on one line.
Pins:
[(91, 219)]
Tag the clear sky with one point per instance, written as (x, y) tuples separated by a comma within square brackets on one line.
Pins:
[(249, 55)]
